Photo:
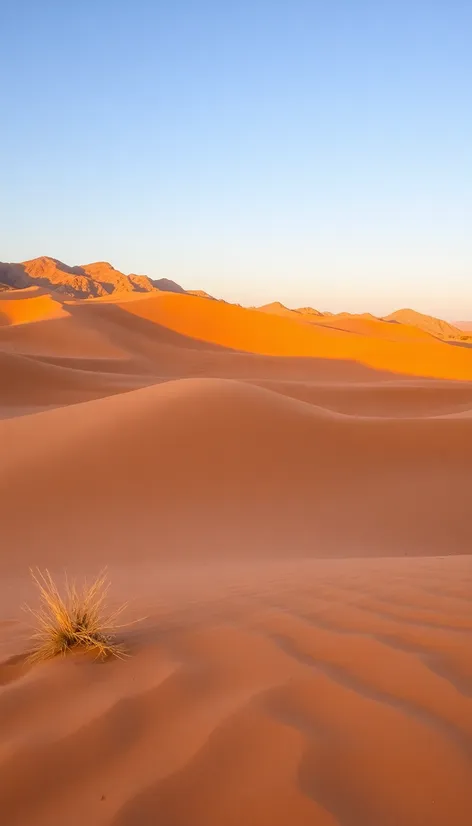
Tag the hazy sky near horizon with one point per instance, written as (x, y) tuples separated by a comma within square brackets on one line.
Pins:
[(317, 152)]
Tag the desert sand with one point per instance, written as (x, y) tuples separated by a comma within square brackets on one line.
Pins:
[(284, 501)]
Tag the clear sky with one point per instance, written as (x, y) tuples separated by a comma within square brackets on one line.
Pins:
[(318, 152)]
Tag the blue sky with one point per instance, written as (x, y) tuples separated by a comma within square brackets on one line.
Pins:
[(316, 152)]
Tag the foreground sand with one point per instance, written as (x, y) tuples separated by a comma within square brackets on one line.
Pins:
[(288, 508), (307, 692)]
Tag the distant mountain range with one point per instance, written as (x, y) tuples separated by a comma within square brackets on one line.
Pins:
[(434, 326), (102, 279), (276, 308), (85, 281)]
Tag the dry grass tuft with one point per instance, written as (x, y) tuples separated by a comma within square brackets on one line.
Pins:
[(75, 621)]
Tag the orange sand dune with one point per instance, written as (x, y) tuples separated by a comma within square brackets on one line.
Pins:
[(375, 327), (30, 383), (398, 399), (100, 337), (137, 327), (183, 456), (286, 507), (60, 336), (31, 304), (252, 331)]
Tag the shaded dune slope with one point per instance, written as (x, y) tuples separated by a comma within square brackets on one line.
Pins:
[(29, 382), (206, 468), (395, 399)]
